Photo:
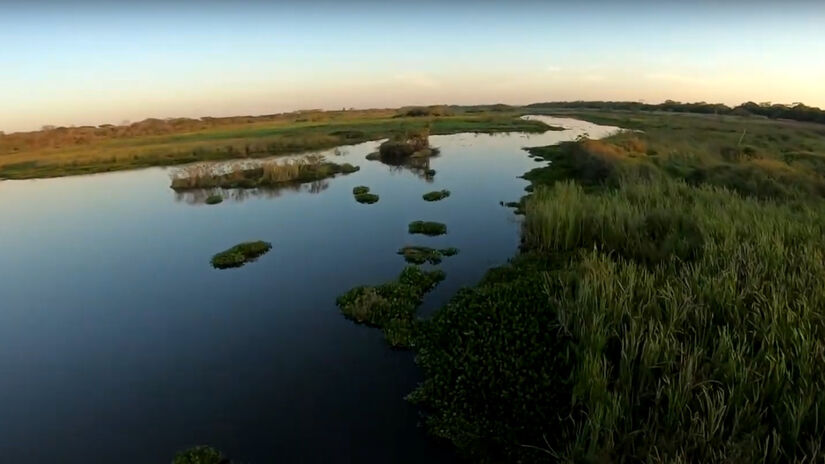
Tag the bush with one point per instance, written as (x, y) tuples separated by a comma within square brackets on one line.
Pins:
[(422, 254), (240, 254), (427, 228), (360, 190)]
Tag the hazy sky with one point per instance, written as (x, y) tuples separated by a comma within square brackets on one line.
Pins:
[(96, 62)]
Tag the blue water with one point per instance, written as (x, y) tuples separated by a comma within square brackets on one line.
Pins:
[(120, 343)]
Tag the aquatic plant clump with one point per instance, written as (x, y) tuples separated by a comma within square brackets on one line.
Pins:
[(240, 254), (361, 189), (436, 195), (367, 198), (427, 228), (244, 175), (214, 199), (391, 306), (200, 455), (422, 254)]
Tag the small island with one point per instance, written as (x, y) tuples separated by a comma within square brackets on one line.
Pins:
[(214, 199), (362, 195), (436, 195), (427, 228), (240, 254)]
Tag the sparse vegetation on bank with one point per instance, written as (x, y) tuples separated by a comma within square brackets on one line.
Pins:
[(427, 228), (240, 254)]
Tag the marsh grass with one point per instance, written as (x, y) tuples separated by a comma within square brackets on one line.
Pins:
[(655, 315), (436, 195), (391, 306), (240, 254), (427, 228), (243, 174)]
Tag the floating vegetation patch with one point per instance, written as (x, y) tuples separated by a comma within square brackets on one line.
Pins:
[(391, 306), (254, 174), (422, 254), (436, 195), (240, 254), (366, 198), (427, 228), (200, 455), (214, 199), (361, 189)]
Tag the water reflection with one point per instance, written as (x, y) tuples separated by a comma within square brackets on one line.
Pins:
[(199, 196)]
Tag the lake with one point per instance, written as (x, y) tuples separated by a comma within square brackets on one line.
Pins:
[(120, 343)]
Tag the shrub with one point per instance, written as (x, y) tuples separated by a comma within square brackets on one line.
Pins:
[(427, 228), (360, 189), (214, 199), (422, 254)]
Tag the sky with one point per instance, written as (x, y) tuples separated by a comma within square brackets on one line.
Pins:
[(94, 62)]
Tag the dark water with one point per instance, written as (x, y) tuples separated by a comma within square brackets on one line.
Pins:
[(119, 343)]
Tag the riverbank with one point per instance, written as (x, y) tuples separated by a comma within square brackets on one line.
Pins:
[(666, 303), (74, 151)]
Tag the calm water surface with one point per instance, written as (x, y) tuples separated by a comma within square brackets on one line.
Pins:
[(119, 343)]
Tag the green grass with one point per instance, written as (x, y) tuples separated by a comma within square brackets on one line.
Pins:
[(436, 195), (391, 306), (427, 228), (361, 189), (240, 254), (214, 199), (367, 198), (33, 155)]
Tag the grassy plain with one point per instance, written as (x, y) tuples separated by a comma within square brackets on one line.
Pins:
[(85, 150)]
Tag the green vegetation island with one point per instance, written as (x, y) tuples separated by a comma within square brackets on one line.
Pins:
[(427, 228), (437, 195), (240, 254)]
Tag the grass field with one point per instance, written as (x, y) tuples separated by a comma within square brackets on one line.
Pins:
[(72, 151)]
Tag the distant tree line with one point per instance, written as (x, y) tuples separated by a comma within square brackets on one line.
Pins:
[(795, 111)]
